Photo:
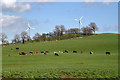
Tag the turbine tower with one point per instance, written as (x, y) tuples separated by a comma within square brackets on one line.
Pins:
[(80, 23), (28, 29)]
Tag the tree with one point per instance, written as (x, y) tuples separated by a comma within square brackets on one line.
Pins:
[(16, 38), (37, 37), (43, 36), (89, 30), (3, 38), (28, 38), (84, 30), (24, 36), (59, 29), (62, 29), (93, 26), (73, 30)]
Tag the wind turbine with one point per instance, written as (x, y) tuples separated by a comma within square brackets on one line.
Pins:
[(80, 23), (28, 29)]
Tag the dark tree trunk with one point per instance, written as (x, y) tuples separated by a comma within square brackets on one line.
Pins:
[(23, 41)]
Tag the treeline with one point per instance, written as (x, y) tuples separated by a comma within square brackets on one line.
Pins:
[(59, 33)]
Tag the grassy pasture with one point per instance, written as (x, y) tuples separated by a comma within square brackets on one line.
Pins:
[(68, 65)]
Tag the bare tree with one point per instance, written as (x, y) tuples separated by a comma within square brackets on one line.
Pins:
[(3, 38), (93, 26), (28, 38), (24, 36), (43, 36), (37, 37), (16, 38), (62, 29), (73, 30), (84, 30), (89, 29), (59, 29)]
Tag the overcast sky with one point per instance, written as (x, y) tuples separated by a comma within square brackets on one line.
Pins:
[(44, 16)]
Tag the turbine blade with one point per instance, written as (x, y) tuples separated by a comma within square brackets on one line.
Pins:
[(80, 22), (81, 17), (27, 29), (76, 19), (32, 28)]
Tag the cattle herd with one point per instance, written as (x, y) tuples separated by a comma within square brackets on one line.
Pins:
[(55, 53)]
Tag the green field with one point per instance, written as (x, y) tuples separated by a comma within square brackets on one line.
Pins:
[(66, 65)]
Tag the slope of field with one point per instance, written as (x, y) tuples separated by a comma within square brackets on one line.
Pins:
[(71, 65)]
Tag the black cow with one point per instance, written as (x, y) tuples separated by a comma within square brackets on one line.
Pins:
[(65, 51), (42, 51), (17, 48), (20, 53), (30, 52), (56, 54), (91, 52), (108, 53), (74, 51), (23, 53)]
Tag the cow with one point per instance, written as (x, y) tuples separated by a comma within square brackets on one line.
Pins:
[(42, 51), (108, 53), (45, 53), (91, 52), (9, 54), (20, 53), (74, 51), (17, 48), (30, 52), (23, 53), (35, 52), (56, 54), (65, 51)]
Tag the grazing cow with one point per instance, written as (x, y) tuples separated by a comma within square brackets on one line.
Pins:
[(74, 51), (108, 53), (35, 52), (65, 51), (17, 48), (31, 53), (42, 51), (56, 54), (9, 54), (45, 53), (91, 52), (23, 53)]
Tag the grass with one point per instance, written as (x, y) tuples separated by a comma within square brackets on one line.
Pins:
[(68, 65)]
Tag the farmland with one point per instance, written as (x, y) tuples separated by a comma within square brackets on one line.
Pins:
[(66, 65)]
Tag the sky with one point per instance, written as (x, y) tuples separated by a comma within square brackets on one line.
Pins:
[(44, 16)]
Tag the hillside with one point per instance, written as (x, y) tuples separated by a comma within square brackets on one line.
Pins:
[(98, 44)]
